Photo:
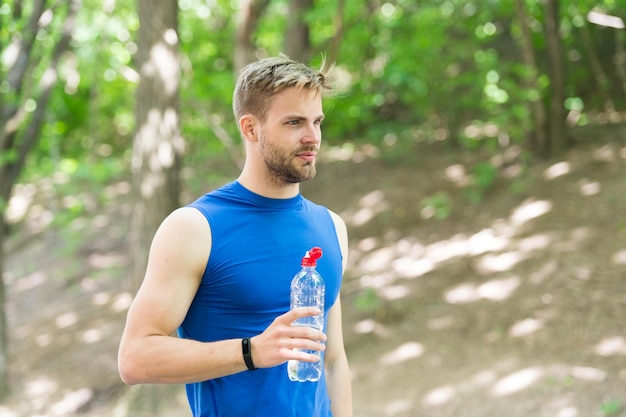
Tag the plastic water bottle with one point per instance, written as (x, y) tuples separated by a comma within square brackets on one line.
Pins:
[(307, 290)]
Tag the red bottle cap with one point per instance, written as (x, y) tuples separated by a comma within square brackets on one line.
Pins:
[(311, 257)]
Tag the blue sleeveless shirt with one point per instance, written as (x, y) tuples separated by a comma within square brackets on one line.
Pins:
[(257, 245)]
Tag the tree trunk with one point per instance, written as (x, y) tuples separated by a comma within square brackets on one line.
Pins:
[(4, 331), (597, 72), (620, 56), (556, 131), (248, 16), (335, 42), (537, 131), (158, 144), (297, 44)]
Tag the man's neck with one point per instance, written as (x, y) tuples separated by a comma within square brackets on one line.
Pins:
[(269, 189)]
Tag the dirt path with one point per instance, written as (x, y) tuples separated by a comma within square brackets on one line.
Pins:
[(510, 307)]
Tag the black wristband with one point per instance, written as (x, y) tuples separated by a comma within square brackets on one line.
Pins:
[(247, 353)]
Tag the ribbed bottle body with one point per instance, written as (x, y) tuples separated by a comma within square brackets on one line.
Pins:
[(307, 290)]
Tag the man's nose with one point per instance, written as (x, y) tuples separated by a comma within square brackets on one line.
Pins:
[(313, 134)]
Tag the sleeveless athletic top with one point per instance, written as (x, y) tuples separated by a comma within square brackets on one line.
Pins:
[(257, 245)]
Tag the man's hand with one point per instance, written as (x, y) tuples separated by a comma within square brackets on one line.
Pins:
[(278, 343)]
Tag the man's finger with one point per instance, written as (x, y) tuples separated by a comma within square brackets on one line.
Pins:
[(298, 313)]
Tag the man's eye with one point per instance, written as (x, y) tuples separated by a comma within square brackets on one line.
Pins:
[(293, 122)]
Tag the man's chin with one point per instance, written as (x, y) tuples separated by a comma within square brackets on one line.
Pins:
[(298, 180), (301, 178), (310, 172)]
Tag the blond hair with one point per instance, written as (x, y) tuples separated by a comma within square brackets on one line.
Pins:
[(262, 80)]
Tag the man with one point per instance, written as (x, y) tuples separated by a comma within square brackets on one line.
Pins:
[(219, 270)]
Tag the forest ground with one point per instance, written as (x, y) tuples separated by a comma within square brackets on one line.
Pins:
[(509, 306)]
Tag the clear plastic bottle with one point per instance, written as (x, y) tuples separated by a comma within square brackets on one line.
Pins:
[(308, 290)]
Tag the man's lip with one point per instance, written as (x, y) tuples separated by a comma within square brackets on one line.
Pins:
[(307, 156)]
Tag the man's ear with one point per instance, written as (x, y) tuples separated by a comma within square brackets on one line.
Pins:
[(249, 127)]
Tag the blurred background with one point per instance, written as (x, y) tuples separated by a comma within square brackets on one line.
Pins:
[(476, 150)]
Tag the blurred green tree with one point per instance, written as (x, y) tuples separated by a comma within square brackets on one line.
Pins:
[(35, 39)]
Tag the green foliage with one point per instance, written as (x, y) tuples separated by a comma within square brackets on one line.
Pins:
[(8, 157), (611, 408), (438, 205), (368, 300), (484, 176), (410, 72)]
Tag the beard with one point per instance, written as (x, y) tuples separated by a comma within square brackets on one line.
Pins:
[(280, 163)]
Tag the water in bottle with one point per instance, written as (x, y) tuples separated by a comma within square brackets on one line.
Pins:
[(307, 290)]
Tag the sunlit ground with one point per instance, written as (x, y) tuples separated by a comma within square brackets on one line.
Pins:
[(501, 310)]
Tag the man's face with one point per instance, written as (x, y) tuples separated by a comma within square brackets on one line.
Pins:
[(291, 135)]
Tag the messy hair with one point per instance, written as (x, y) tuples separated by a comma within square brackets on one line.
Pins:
[(260, 81)]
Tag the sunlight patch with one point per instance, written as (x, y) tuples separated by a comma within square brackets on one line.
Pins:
[(530, 210), (362, 216), (365, 326), (21, 201), (92, 336), (496, 290), (101, 298), (402, 353), (43, 340), (517, 381), (378, 260), (397, 406), (611, 346), (368, 244), (340, 153), (407, 268), (486, 241), (588, 187), (463, 293), (535, 243), (106, 260), (448, 249), (525, 327), (395, 292), (568, 412), (122, 302), (619, 257), (484, 378), (31, 281), (376, 281), (72, 401), (604, 153), (439, 395), (458, 175), (500, 263), (371, 204), (605, 20), (117, 189), (66, 320), (5, 412), (588, 374), (557, 170), (40, 387)]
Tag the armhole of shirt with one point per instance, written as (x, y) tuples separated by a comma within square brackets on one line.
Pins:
[(208, 222), (334, 218)]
